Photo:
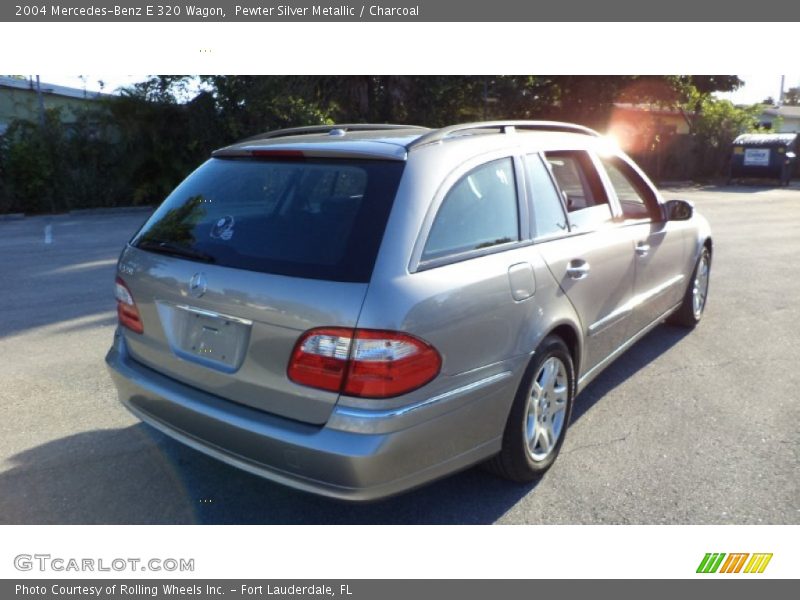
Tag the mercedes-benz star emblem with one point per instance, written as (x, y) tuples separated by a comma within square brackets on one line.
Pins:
[(197, 285)]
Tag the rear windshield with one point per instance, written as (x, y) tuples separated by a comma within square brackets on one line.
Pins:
[(315, 218)]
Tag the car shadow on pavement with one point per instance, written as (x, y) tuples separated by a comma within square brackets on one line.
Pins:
[(637, 357), (136, 475)]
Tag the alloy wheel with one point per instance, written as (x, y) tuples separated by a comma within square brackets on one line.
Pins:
[(545, 415)]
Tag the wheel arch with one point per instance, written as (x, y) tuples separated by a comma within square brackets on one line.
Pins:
[(568, 333)]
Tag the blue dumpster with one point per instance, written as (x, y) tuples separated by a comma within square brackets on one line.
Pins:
[(764, 156)]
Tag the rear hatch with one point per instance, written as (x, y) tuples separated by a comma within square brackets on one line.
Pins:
[(246, 255)]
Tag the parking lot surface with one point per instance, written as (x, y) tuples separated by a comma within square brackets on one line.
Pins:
[(685, 428)]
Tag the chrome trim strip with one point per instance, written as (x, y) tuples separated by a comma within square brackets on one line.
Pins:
[(658, 290), (211, 313), (361, 413), (631, 305), (609, 320)]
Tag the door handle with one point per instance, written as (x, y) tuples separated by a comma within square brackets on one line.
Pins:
[(578, 269), (642, 248)]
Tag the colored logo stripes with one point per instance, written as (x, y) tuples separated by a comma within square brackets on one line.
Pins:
[(718, 563)]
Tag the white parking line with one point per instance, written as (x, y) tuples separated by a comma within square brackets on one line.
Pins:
[(48, 234)]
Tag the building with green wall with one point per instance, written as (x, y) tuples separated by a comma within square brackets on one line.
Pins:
[(19, 99)]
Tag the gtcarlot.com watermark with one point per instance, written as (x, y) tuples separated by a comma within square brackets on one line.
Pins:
[(58, 564)]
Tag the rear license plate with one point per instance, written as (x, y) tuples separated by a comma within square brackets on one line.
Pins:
[(211, 339)]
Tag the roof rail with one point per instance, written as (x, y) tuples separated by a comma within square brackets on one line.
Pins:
[(504, 127), (311, 129)]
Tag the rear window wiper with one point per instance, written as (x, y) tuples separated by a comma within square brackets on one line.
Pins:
[(173, 249)]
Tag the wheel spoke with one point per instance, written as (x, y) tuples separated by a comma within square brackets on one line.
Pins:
[(530, 429), (533, 442), (545, 435), (542, 379), (552, 374)]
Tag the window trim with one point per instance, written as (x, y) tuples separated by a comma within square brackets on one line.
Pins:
[(417, 264), (611, 201), (539, 155), (651, 198)]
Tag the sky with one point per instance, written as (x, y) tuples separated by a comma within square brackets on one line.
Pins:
[(756, 87)]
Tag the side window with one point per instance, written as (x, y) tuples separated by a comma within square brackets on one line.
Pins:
[(636, 199), (583, 191), (479, 211), (548, 210)]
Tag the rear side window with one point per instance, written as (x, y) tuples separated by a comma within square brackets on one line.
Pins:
[(479, 211), (582, 188), (315, 218)]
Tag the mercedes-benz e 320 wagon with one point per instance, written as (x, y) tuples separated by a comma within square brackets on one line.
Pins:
[(356, 310)]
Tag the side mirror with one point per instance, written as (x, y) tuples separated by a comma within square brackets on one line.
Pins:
[(679, 210)]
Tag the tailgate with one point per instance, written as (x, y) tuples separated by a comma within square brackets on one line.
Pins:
[(234, 343)]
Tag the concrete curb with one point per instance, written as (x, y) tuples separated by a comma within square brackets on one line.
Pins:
[(111, 211), (80, 212)]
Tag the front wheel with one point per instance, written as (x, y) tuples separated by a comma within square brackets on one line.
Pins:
[(694, 300), (539, 417)]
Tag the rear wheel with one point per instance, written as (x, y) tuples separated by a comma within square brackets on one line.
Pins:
[(540, 414), (694, 300)]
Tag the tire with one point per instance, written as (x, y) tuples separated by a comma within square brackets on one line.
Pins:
[(537, 423), (696, 295)]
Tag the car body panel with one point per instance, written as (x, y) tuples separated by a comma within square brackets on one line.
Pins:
[(603, 296)]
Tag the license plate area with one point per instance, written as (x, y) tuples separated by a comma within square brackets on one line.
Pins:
[(208, 338)]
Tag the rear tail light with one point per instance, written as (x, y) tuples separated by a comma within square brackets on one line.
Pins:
[(127, 313), (363, 362)]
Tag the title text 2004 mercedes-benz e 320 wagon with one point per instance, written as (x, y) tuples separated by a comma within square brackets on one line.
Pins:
[(355, 310)]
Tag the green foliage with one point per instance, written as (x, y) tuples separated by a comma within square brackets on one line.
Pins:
[(27, 168), (714, 127), (58, 166), (720, 121), (247, 105), (134, 148)]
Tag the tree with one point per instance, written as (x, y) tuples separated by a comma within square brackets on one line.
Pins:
[(792, 97), (134, 148), (715, 126)]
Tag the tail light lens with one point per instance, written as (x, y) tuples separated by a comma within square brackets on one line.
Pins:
[(127, 313), (363, 362)]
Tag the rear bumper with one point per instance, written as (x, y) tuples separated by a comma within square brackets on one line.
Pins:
[(332, 460)]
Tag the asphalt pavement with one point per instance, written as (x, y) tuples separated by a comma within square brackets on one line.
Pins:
[(685, 428)]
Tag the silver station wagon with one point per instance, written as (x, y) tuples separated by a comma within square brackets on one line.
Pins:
[(356, 310)]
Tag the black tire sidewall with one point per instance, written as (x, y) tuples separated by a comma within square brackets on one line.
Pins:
[(690, 291)]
